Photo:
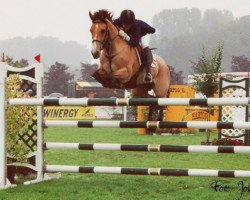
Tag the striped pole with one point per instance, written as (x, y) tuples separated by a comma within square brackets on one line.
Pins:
[(148, 124), (148, 147), (129, 101), (149, 171)]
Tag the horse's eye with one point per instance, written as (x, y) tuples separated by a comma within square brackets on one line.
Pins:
[(103, 31)]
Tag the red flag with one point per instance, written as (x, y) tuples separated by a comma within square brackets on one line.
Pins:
[(37, 58)]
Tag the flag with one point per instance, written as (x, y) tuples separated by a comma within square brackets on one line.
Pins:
[(38, 58)]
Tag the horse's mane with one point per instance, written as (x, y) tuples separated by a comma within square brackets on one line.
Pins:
[(102, 15)]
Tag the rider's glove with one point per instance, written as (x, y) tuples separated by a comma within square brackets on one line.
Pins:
[(124, 35)]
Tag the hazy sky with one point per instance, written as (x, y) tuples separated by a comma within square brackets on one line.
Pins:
[(68, 20)]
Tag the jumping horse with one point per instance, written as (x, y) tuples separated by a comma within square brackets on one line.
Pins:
[(120, 65)]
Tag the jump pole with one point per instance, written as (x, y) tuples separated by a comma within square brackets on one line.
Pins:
[(148, 147), (129, 101), (149, 171), (147, 124)]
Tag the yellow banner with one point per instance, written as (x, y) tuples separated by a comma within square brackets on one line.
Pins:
[(198, 115), (69, 112), (177, 113)]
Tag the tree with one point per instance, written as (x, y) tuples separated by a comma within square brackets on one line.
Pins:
[(177, 78), (179, 39), (57, 79), (176, 22), (240, 64), (22, 63), (214, 19), (87, 70)]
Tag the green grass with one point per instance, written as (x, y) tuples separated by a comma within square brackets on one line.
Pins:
[(104, 186)]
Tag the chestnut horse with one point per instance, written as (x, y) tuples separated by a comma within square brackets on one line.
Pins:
[(120, 66)]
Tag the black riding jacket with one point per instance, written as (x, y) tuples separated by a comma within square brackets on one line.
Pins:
[(138, 30)]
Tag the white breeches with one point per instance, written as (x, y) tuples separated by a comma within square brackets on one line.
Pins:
[(145, 41)]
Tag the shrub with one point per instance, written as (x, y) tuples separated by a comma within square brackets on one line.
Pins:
[(17, 120)]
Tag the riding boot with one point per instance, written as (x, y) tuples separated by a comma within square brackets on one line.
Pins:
[(148, 59)]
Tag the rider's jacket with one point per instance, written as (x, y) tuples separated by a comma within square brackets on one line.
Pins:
[(138, 30)]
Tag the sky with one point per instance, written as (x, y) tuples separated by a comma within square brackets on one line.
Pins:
[(68, 20)]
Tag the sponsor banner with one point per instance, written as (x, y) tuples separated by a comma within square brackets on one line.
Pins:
[(177, 113), (69, 112), (198, 115), (108, 112)]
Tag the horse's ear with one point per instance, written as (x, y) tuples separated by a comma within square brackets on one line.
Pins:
[(108, 22), (91, 16)]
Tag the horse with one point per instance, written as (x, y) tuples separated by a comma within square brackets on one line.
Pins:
[(120, 65)]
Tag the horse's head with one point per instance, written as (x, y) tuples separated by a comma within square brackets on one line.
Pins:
[(99, 30)]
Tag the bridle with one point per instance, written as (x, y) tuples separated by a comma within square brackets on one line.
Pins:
[(106, 43)]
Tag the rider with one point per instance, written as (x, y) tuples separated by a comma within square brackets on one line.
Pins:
[(135, 32)]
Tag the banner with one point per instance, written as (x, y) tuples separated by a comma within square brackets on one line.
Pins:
[(69, 112)]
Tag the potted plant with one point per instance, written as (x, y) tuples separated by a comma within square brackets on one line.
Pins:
[(205, 76), (228, 142)]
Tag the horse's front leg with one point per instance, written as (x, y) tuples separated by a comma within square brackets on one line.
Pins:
[(99, 75), (122, 75), (107, 80), (102, 77)]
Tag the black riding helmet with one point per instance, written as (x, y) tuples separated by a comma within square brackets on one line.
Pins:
[(127, 17)]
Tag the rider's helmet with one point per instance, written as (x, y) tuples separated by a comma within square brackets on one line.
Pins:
[(127, 17)]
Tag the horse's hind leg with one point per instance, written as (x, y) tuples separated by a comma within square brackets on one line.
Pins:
[(162, 79), (142, 92), (161, 114), (162, 84)]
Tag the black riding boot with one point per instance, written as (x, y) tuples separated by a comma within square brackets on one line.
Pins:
[(148, 59)]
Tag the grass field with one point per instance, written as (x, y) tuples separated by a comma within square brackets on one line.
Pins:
[(104, 186)]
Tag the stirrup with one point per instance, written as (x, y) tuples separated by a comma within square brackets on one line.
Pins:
[(148, 78)]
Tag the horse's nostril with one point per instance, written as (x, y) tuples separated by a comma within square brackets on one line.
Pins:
[(96, 54)]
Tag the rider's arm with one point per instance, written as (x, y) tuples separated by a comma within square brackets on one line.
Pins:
[(135, 36)]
